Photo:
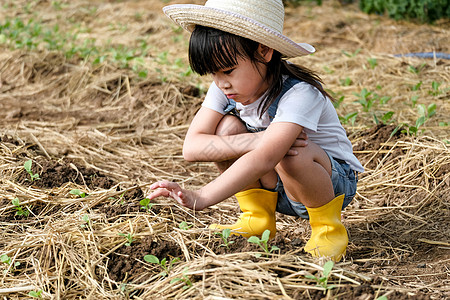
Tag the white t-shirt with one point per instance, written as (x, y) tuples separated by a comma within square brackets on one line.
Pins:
[(304, 105)]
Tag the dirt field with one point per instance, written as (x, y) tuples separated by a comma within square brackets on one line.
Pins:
[(98, 95)]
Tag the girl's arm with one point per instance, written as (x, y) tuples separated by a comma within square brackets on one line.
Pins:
[(202, 144), (273, 146)]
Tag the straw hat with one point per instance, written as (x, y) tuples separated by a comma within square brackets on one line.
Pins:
[(258, 20)]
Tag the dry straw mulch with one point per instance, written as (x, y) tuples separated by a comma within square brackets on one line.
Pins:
[(101, 130)]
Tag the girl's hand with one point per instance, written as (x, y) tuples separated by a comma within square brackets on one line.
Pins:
[(300, 141), (189, 199)]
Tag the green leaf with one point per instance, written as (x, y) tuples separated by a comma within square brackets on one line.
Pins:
[(151, 259), (431, 110), (144, 202), (176, 280), (16, 202), (5, 259), (254, 239), (226, 233), (265, 236), (327, 268), (27, 165), (163, 261), (420, 121)]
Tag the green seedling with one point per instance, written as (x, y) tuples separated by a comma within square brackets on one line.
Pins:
[(224, 235), (328, 70), (346, 82), (417, 86), (385, 119), (145, 204), (184, 226), (372, 62), (124, 289), (365, 99), (7, 260), (414, 99), (384, 99), (78, 193), (382, 298), (263, 242), (86, 220), (416, 70), (27, 166), (349, 117), (129, 237), (323, 281), (184, 278), (35, 294), (348, 54), (162, 263), (425, 112), (338, 101), (20, 211), (435, 86)]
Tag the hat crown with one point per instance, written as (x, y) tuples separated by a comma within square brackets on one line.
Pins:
[(266, 12)]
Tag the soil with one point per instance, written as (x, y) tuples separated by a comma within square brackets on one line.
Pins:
[(127, 262)]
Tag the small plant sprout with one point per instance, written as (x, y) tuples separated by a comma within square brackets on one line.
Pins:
[(425, 112), (7, 260), (86, 220), (323, 281), (414, 99), (20, 211), (145, 204), (129, 237), (349, 117), (184, 278), (416, 70), (35, 294), (184, 225), (162, 263), (385, 119), (78, 193), (349, 54), (27, 166), (372, 62), (365, 99), (346, 82), (435, 86), (262, 242), (224, 235), (417, 86)]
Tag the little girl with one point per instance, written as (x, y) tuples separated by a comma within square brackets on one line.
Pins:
[(268, 124)]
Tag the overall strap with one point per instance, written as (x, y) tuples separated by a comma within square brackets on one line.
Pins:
[(287, 85)]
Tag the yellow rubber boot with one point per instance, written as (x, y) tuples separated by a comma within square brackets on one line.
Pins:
[(328, 237), (258, 213)]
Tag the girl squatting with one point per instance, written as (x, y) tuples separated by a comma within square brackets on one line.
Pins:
[(268, 125)]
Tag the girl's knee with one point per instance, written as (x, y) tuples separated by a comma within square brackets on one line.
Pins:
[(308, 155), (230, 125)]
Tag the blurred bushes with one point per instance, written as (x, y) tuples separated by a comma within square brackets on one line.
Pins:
[(421, 10)]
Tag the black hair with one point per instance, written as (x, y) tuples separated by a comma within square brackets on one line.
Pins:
[(212, 50)]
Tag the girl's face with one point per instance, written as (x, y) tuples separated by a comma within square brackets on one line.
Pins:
[(245, 82)]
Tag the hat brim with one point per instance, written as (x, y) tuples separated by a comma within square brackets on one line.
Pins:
[(189, 15)]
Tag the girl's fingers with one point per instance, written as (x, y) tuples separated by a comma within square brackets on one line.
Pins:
[(159, 193)]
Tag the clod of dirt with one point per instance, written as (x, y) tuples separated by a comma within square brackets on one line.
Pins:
[(54, 174), (126, 261)]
